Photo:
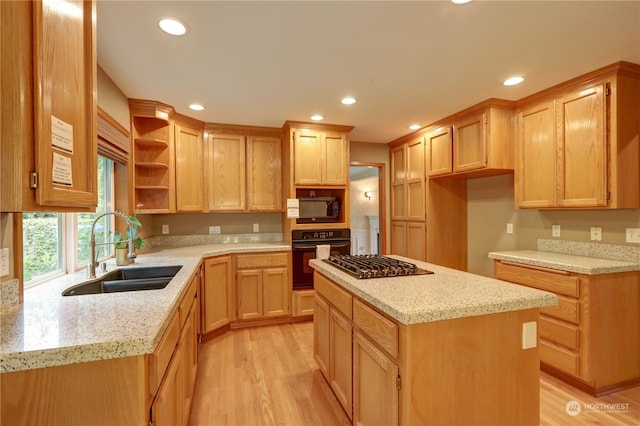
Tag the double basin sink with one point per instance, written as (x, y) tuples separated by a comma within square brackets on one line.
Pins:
[(126, 279)]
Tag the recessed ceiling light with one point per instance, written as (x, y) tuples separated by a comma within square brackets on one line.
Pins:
[(513, 81), (414, 126), (317, 117), (196, 107), (460, 1), (348, 100), (172, 26)]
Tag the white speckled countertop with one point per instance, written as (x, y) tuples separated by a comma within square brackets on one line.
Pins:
[(446, 294), (566, 262), (49, 329)]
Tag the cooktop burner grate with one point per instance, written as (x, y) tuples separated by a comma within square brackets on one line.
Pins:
[(374, 266)]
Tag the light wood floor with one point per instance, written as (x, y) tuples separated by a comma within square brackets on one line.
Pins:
[(267, 376)]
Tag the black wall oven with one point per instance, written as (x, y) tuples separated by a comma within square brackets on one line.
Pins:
[(303, 246)]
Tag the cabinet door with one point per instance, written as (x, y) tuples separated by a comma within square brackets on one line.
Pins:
[(399, 238), (189, 169), (264, 174), (189, 347), (307, 157), (340, 359), (398, 183), (375, 393), (536, 157), (335, 164), (167, 407), (415, 197), (321, 335), (249, 286), (469, 144), (216, 293), (276, 295), (64, 108), (416, 240), (581, 143), (439, 152), (226, 168)]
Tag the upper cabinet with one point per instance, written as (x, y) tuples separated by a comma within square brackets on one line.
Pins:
[(439, 145), (578, 143), (408, 181), (244, 170), (152, 169), (49, 73), (189, 157), (320, 154)]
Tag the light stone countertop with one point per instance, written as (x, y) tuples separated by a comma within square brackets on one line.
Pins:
[(49, 329), (566, 262), (446, 294)]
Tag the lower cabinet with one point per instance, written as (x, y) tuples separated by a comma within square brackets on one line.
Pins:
[(409, 239), (217, 294), (302, 302), (584, 339), (263, 286)]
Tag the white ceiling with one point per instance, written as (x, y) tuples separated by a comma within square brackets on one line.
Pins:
[(264, 62)]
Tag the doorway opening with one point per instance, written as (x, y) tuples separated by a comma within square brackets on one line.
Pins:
[(367, 208)]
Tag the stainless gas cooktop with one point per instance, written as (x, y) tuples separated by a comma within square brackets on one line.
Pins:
[(374, 266)]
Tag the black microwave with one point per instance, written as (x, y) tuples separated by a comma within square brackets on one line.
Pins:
[(319, 209)]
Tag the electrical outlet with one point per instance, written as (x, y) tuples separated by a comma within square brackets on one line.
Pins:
[(214, 230), (509, 228), (4, 262), (633, 235), (596, 233), (555, 230), (256, 227), (165, 229)]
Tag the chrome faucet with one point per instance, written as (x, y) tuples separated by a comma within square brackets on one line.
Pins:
[(92, 241)]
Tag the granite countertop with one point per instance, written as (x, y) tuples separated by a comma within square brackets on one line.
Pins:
[(446, 294), (49, 329), (566, 262)]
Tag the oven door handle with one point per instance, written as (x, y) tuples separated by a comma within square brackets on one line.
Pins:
[(313, 246)]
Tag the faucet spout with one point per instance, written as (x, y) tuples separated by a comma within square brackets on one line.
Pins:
[(92, 240)]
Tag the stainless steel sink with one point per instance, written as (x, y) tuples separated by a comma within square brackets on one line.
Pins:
[(126, 279)]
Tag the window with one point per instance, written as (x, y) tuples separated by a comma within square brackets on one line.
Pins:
[(58, 243)]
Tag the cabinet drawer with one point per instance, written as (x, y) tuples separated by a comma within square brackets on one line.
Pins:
[(162, 355), (558, 332), (378, 328), (187, 300), (560, 358), (337, 297), (543, 279), (244, 261), (567, 309)]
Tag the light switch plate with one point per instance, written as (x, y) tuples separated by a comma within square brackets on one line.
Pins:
[(165, 229), (256, 227), (509, 228), (529, 335), (633, 235), (555, 230), (4, 262), (214, 230)]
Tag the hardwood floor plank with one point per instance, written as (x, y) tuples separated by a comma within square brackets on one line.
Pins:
[(267, 376)]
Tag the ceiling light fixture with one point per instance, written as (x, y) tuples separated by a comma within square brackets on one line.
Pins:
[(348, 100), (317, 117), (173, 26), (414, 126), (513, 81), (460, 1), (196, 107)]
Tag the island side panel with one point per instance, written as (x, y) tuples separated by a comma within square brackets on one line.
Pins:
[(109, 392), (468, 371)]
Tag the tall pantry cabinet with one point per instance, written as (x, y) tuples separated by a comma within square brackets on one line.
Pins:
[(49, 74)]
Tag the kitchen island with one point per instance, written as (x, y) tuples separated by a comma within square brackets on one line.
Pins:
[(445, 348)]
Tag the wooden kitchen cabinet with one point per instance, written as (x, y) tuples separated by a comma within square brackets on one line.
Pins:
[(409, 239), (399, 238), (375, 387), (152, 164), (217, 293), (48, 153), (584, 339), (321, 157), (439, 151), (167, 407), (244, 171), (577, 143), (189, 164), (263, 285), (408, 181)]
